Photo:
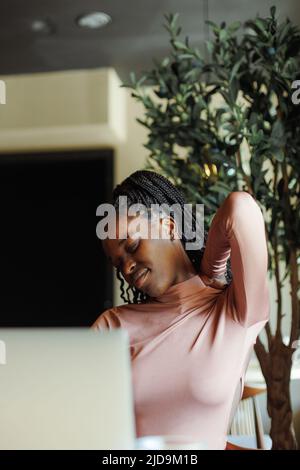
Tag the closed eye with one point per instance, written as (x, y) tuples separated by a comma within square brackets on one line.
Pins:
[(134, 246), (131, 249)]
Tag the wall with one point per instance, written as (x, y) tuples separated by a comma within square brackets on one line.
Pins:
[(62, 110)]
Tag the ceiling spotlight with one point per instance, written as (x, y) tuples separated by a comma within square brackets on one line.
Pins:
[(93, 20), (42, 26)]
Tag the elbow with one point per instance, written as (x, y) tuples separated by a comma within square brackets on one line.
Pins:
[(241, 207), (240, 200)]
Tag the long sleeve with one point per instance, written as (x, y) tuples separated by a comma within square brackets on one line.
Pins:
[(238, 231)]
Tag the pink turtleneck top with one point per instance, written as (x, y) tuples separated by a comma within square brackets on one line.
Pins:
[(190, 346)]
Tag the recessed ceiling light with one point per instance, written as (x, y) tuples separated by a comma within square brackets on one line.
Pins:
[(42, 26), (93, 20)]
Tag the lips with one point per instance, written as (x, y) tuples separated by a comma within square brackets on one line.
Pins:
[(140, 277)]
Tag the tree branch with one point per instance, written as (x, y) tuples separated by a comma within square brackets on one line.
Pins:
[(278, 284), (294, 294), (294, 280), (277, 268), (269, 334), (263, 358)]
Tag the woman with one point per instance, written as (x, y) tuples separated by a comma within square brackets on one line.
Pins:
[(190, 332)]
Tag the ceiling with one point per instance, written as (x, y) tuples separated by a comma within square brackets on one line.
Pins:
[(134, 37)]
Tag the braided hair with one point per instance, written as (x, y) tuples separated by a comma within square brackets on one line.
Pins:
[(148, 187)]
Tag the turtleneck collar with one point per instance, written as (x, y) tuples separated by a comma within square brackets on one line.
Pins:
[(182, 290)]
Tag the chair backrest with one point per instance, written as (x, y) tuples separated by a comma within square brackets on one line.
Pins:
[(247, 419)]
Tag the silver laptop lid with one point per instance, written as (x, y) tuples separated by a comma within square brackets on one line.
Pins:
[(65, 389)]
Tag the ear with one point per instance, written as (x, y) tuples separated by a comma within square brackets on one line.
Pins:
[(169, 228)]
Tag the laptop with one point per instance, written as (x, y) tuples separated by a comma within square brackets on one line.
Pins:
[(65, 389)]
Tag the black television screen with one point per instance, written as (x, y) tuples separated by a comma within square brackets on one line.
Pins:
[(53, 271)]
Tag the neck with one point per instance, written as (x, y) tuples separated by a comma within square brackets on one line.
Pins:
[(185, 269)]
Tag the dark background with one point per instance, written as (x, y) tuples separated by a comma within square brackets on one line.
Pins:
[(53, 271)]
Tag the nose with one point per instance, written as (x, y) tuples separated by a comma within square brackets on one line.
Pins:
[(129, 266)]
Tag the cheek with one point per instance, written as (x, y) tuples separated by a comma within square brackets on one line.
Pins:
[(159, 255)]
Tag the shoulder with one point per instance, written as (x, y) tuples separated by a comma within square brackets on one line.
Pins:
[(118, 317), (108, 319)]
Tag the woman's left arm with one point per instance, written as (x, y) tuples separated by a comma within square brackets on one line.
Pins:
[(238, 231)]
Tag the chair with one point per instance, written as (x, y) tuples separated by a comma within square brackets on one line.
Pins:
[(246, 429)]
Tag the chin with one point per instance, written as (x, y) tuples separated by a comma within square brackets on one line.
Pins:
[(155, 291)]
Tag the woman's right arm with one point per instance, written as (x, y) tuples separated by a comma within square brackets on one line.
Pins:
[(238, 231)]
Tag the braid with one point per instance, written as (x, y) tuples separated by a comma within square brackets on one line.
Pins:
[(122, 285), (138, 296), (148, 187)]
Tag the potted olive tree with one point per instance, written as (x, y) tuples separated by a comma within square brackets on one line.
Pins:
[(226, 120)]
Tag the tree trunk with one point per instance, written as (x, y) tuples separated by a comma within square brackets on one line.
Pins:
[(276, 367)]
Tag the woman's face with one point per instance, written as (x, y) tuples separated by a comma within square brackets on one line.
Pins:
[(151, 265)]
